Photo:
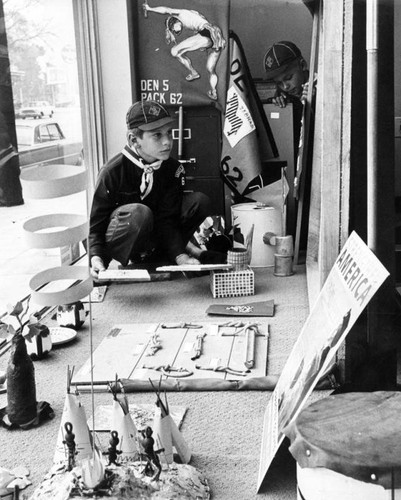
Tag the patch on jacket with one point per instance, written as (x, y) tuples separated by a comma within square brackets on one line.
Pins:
[(180, 171)]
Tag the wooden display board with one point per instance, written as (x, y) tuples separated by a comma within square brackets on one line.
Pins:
[(127, 350)]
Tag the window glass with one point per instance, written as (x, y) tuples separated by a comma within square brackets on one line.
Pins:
[(24, 135), (44, 133), (44, 74)]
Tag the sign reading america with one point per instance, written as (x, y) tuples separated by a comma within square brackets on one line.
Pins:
[(355, 277)]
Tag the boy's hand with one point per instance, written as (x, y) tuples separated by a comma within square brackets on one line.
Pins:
[(280, 100), (305, 88), (184, 260), (97, 265)]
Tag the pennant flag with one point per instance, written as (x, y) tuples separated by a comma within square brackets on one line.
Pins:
[(247, 139)]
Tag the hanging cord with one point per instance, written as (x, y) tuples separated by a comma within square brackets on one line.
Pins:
[(88, 204), (91, 365)]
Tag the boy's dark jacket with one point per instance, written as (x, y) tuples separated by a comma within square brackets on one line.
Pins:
[(118, 184)]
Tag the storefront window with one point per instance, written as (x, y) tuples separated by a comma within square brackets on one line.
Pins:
[(45, 92)]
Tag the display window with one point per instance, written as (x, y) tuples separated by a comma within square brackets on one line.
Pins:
[(41, 116)]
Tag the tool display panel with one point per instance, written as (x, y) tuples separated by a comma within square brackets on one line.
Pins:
[(221, 351)]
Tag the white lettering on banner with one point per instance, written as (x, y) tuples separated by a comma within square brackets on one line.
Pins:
[(161, 97), (153, 96), (355, 279), (152, 85), (175, 98), (149, 84), (238, 121), (150, 92), (237, 69)]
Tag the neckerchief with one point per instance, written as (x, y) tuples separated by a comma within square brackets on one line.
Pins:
[(148, 169)]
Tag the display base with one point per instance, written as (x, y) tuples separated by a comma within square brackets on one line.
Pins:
[(126, 481), (44, 412), (319, 483)]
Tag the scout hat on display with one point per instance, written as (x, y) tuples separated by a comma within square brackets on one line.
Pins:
[(279, 56), (147, 115)]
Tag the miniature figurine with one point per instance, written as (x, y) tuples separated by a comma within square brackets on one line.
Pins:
[(71, 315), (147, 442), (21, 387), (69, 441), (112, 449)]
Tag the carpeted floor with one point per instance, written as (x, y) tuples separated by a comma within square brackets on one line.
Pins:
[(222, 429)]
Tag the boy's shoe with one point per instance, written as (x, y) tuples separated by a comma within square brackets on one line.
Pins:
[(212, 257)]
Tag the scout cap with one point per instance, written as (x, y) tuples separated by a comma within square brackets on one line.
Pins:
[(147, 115), (278, 57)]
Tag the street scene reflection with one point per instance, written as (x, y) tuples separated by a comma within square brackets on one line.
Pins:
[(44, 76)]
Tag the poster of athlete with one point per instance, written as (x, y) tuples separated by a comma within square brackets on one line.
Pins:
[(181, 51)]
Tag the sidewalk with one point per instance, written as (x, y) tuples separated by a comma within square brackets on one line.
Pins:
[(18, 263)]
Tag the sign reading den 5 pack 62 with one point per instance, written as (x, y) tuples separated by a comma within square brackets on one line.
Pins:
[(181, 51)]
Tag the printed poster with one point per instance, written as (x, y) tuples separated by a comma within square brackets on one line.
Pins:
[(181, 51), (355, 277)]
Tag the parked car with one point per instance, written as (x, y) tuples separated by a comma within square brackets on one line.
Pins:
[(28, 113), (38, 109), (44, 108), (44, 143)]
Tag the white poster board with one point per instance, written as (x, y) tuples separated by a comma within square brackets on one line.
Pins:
[(355, 277)]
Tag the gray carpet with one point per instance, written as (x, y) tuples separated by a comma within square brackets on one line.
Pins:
[(222, 429)]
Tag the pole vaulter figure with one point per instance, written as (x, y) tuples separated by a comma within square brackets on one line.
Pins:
[(206, 37)]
